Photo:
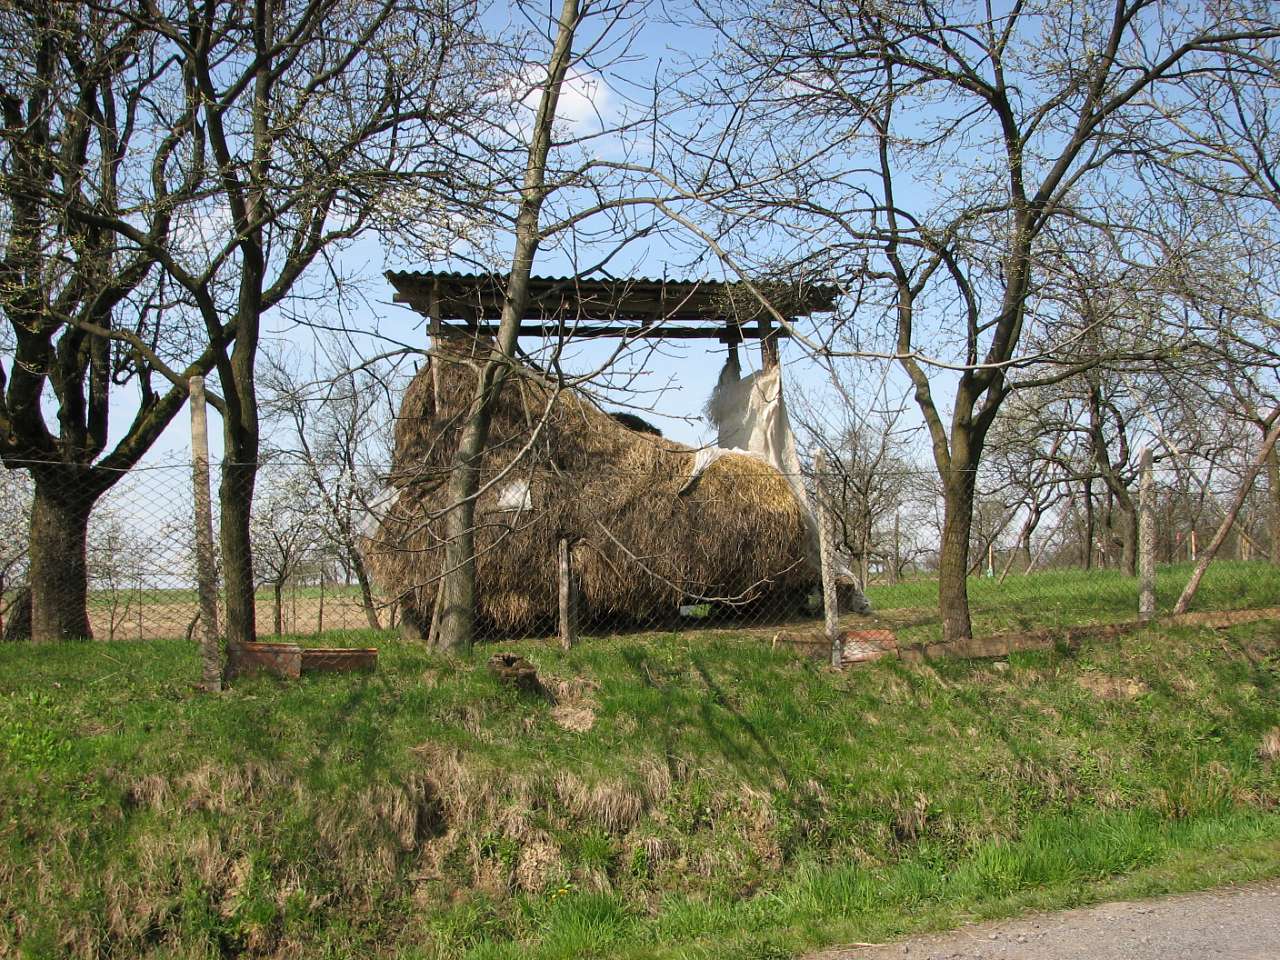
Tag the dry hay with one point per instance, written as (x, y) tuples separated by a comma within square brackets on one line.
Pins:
[(644, 540), (1113, 688), (1269, 749)]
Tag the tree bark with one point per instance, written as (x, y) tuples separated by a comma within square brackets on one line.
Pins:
[(366, 594), (235, 494), (59, 569), (1273, 490), (953, 558), (1129, 538), (1088, 523), (277, 608)]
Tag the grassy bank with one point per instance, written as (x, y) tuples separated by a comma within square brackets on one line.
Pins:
[(695, 796)]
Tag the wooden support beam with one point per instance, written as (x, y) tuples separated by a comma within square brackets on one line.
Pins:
[(585, 330)]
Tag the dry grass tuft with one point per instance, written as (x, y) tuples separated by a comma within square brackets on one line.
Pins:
[(152, 791), (1113, 688), (574, 709), (618, 494), (575, 717), (614, 806), (1269, 749), (538, 864)]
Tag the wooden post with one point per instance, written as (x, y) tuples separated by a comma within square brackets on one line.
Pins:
[(568, 598), (320, 621), (1146, 539), (1192, 543), (206, 570), (826, 550), (768, 343), (897, 548)]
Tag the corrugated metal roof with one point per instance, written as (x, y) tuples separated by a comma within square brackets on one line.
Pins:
[(480, 295)]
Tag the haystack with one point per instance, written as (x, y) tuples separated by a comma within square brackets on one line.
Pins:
[(645, 538)]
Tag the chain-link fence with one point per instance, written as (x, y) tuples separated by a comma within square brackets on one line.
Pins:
[(669, 545)]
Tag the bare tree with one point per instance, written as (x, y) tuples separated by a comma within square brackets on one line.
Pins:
[(15, 513), (85, 321), (871, 479), (563, 194), (841, 116), (336, 427), (300, 124), (285, 531)]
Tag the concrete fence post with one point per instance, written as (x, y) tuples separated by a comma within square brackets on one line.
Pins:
[(206, 568)]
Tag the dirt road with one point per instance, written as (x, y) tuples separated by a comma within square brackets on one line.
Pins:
[(1240, 923)]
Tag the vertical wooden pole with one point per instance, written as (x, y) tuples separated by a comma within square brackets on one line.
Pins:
[(320, 621), (826, 550), (206, 570), (768, 343), (897, 548), (568, 598), (1192, 542), (1146, 539)]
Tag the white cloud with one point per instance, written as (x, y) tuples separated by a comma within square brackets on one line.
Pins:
[(585, 107)]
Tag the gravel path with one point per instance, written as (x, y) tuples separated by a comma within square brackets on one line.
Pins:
[(1241, 923)]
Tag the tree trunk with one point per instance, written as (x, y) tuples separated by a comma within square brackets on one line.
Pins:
[(1273, 490), (277, 607), (235, 494), (366, 594), (953, 559), (1129, 539), (456, 605), (1088, 523), (456, 602), (1024, 546), (896, 569), (59, 572)]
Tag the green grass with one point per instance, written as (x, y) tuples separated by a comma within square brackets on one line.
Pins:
[(728, 800), (1059, 598)]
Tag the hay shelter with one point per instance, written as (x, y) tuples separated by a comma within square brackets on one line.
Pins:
[(648, 533)]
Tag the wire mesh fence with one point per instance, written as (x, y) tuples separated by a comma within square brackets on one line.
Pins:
[(647, 549)]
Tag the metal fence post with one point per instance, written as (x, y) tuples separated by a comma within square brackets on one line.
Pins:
[(826, 551), (1146, 540), (206, 573)]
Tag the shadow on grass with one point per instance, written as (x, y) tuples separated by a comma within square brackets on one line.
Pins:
[(738, 739)]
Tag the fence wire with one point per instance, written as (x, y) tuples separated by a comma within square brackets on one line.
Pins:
[(339, 549)]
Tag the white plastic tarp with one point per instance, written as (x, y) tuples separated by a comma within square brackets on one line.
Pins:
[(750, 417)]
